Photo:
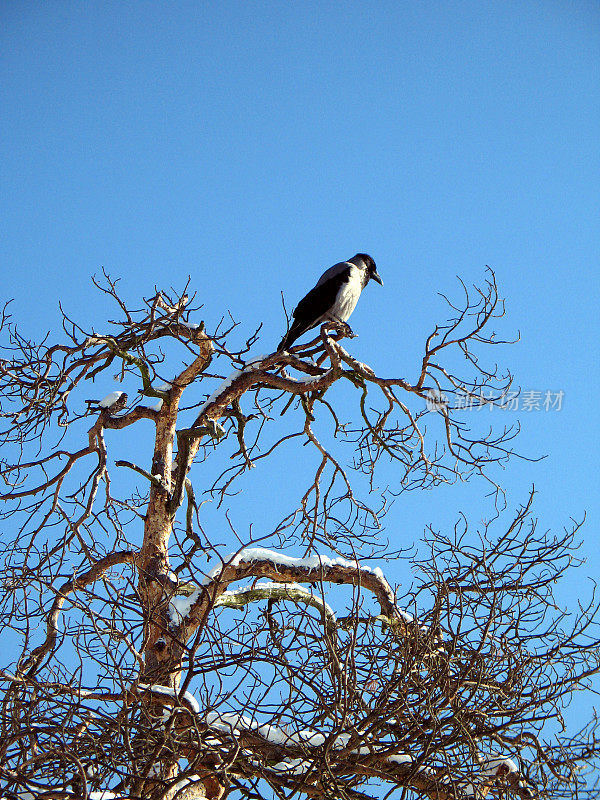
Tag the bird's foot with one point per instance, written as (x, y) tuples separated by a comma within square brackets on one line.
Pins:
[(347, 330), (343, 328)]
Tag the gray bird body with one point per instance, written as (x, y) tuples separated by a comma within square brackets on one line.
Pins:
[(334, 297)]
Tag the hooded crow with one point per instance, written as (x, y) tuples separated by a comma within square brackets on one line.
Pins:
[(334, 297)]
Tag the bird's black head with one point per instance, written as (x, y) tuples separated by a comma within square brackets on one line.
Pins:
[(369, 266)]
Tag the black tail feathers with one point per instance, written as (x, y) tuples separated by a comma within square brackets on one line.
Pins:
[(297, 329)]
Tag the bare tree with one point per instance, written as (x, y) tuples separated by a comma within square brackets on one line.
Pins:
[(142, 660)]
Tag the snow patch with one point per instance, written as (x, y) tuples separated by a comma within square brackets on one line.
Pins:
[(400, 758), (235, 723), (224, 385), (186, 782), (341, 741), (228, 723), (180, 606), (166, 690), (293, 766), (254, 362), (110, 399), (313, 378), (251, 554), (468, 788), (492, 765), (310, 738)]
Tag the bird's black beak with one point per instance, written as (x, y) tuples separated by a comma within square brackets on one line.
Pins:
[(377, 277)]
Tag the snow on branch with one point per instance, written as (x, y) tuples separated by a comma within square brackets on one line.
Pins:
[(436, 782), (110, 399), (254, 363), (237, 723), (259, 562), (254, 372), (498, 765), (186, 698)]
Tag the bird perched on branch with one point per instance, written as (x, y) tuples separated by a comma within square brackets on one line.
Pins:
[(334, 297)]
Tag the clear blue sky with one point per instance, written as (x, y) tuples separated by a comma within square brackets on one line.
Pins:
[(252, 144)]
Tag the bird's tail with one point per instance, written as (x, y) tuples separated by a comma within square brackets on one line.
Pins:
[(297, 329)]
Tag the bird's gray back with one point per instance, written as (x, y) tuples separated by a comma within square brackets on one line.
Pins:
[(332, 272)]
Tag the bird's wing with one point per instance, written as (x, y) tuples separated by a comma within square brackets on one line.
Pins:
[(322, 298), (333, 271)]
